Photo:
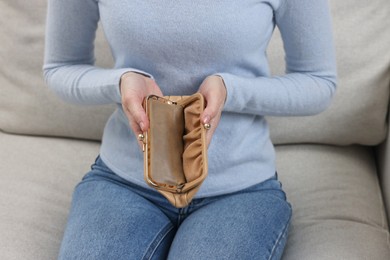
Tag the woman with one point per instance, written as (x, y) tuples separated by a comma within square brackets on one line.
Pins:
[(163, 47)]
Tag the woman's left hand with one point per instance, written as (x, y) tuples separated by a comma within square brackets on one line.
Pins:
[(214, 91)]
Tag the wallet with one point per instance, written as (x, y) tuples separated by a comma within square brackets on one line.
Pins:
[(175, 152)]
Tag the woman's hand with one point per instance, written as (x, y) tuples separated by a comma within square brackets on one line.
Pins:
[(214, 91), (134, 88)]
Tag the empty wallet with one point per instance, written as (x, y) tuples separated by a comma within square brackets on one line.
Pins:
[(175, 152)]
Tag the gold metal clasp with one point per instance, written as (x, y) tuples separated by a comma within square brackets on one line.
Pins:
[(180, 187)]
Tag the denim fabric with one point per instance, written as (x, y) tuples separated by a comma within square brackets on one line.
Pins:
[(111, 218)]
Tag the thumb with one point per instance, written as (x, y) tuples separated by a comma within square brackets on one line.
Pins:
[(141, 118), (214, 91), (214, 104), (210, 111), (136, 114)]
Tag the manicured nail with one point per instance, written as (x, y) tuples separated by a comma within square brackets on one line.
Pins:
[(206, 120), (142, 126)]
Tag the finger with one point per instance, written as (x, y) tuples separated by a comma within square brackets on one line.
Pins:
[(136, 113), (141, 118), (214, 93), (137, 132), (211, 111)]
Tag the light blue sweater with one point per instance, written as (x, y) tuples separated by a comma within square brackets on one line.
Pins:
[(179, 44)]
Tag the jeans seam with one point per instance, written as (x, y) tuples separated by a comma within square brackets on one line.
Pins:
[(156, 242), (281, 235)]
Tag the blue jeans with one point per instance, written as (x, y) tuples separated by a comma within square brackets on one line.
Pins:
[(111, 218)]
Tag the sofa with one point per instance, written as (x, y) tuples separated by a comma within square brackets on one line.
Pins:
[(334, 167)]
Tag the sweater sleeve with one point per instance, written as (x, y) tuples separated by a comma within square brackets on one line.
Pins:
[(69, 55), (310, 80)]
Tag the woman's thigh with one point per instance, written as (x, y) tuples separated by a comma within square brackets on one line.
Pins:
[(109, 221), (250, 225)]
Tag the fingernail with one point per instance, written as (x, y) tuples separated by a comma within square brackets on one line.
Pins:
[(142, 126), (206, 120)]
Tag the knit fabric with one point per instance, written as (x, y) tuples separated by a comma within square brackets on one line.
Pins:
[(179, 44)]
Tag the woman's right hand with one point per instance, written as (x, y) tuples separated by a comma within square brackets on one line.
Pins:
[(134, 88)]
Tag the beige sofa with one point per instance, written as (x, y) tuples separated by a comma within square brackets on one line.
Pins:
[(334, 166)]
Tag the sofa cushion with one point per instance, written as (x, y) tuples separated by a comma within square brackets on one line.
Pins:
[(337, 205), (338, 211), (37, 176), (362, 37)]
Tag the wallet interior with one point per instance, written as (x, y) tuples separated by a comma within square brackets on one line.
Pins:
[(176, 140)]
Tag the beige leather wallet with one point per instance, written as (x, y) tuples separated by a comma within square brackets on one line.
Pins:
[(175, 152)]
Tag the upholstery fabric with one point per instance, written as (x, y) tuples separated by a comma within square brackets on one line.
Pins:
[(37, 178), (359, 108), (383, 160), (337, 210), (358, 113), (27, 106)]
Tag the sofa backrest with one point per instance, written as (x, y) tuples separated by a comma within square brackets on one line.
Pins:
[(27, 106), (359, 109), (357, 114)]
